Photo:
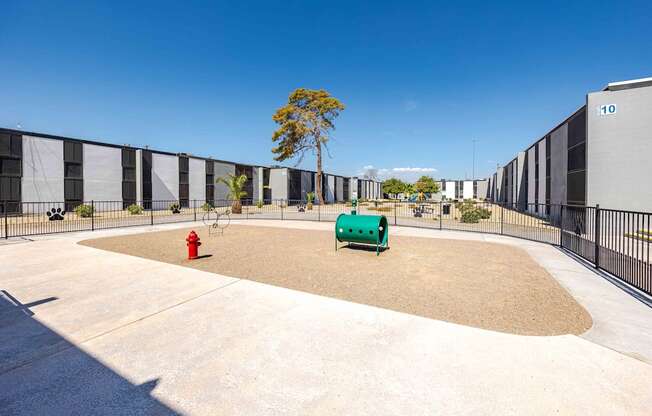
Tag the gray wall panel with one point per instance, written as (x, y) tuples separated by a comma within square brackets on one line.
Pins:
[(558, 164), (221, 170), (42, 170), (542, 172), (339, 188), (102, 173), (278, 181), (165, 179), (521, 192), (197, 180), (619, 148), (531, 176)]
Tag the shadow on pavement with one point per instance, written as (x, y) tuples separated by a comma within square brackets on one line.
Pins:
[(41, 373)]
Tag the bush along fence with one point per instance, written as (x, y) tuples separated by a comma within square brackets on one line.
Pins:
[(612, 240)]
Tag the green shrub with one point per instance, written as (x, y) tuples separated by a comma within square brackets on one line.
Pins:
[(470, 216), (206, 206), (260, 203), (485, 213), (84, 210), (135, 209)]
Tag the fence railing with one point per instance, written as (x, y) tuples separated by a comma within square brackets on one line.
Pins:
[(615, 241)]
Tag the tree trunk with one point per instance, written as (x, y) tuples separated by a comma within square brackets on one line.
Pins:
[(319, 190)]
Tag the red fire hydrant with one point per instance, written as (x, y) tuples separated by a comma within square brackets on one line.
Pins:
[(193, 245)]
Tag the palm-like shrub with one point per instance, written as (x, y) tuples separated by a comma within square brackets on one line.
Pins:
[(135, 209), (310, 197), (235, 184), (84, 211)]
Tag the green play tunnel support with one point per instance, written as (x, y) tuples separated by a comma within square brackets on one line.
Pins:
[(362, 229)]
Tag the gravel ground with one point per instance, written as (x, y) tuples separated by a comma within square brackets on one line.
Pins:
[(485, 285)]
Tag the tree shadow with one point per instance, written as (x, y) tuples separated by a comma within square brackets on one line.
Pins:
[(42, 373)]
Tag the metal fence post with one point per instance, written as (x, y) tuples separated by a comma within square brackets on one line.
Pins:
[(561, 226), (502, 211), (282, 203), (151, 212), (6, 208), (597, 236), (194, 208), (92, 215), (395, 207), (441, 214)]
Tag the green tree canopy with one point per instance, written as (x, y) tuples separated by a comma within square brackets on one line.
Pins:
[(305, 123), (427, 185), (393, 186)]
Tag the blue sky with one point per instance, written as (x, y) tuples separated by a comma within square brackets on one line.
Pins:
[(420, 79)]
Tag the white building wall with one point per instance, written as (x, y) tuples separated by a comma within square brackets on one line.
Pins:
[(165, 179), (450, 190), (531, 163), (353, 188), (330, 188), (222, 170), (102, 174), (196, 180), (42, 170), (278, 181), (618, 150), (339, 188), (467, 190), (542, 174)]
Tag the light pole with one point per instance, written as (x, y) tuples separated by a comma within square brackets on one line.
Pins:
[(473, 141)]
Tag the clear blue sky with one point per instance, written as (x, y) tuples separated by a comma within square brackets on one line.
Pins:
[(419, 80)]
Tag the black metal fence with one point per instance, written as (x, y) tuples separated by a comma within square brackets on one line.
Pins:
[(615, 241)]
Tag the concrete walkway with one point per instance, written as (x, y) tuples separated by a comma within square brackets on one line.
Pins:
[(83, 331)]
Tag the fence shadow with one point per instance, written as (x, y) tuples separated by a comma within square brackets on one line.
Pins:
[(43, 373)]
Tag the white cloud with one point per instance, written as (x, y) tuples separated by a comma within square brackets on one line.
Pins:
[(410, 105)]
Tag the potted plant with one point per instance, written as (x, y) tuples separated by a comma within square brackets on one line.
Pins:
[(310, 197), (235, 184), (175, 207)]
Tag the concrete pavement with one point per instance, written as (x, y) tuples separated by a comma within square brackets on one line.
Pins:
[(83, 331)]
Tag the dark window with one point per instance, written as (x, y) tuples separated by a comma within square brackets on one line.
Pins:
[(10, 167), (576, 188), (73, 184), (548, 173), (576, 179), (73, 170), (183, 181), (210, 181), (11, 151), (147, 178), (129, 196), (577, 157), (536, 177), (129, 174), (577, 129)]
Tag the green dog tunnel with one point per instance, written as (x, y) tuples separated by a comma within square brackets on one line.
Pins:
[(362, 229)]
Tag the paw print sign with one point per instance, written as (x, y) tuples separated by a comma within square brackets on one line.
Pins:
[(55, 214)]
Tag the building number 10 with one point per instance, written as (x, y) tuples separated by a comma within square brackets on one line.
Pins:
[(608, 109)]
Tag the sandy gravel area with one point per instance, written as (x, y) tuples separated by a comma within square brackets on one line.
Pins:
[(485, 285)]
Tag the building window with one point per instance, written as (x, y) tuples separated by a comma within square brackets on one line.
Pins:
[(128, 177), (536, 177), (11, 153), (576, 179), (183, 181), (210, 182), (147, 179), (548, 181), (73, 182)]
